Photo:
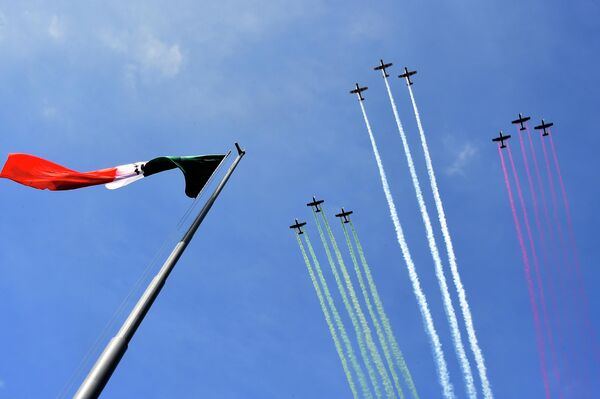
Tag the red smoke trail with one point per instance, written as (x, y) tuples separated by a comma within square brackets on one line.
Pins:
[(562, 189), (578, 314), (558, 257), (533, 196), (545, 260), (561, 241), (550, 235), (536, 316), (578, 276), (550, 231), (536, 263), (553, 195)]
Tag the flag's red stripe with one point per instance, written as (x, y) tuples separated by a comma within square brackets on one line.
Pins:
[(42, 174)]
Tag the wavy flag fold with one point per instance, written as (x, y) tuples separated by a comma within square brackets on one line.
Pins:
[(42, 174)]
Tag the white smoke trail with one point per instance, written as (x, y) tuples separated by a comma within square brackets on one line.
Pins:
[(462, 295), (334, 336), (439, 270), (436, 345)]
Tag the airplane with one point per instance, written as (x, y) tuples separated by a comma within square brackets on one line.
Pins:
[(298, 226), (544, 126), (407, 74), (344, 214), (522, 119), (382, 67), (359, 90), (316, 204), (501, 139)]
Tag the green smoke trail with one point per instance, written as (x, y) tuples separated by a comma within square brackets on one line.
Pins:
[(338, 321), (384, 319), (378, 330), (327, 315), (387, 384), (359, 334)]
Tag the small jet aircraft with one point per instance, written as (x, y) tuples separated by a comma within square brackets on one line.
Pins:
[(544, 126), (407, 74), (359, 90), (298, 225), (522, 119), (383, 67), (344, 214), (316, 204), (501, 139)]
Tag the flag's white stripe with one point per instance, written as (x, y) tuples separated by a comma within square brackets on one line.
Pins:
[(126, 174)]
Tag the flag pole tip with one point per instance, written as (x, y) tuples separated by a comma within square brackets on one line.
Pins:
[(239, 149)]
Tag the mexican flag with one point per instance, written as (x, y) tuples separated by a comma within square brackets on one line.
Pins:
[(39, 173)]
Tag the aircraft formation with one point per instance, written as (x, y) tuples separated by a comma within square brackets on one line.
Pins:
[(376, 382), (549, 253), (520, 121), (374, 388)]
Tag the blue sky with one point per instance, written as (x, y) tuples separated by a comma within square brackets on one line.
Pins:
[(100, 84)]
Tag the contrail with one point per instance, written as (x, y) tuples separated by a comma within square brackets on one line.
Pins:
[(378, 330), (527, 270), (349, 309), (536, 266), (438, 353), (439, 269), (387, 384), (334, 336), (400, 362), (338, 321), (462, 295)]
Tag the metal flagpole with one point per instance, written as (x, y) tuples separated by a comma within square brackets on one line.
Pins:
[(94, 383)]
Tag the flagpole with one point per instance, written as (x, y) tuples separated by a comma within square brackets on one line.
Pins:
[(96, 380)]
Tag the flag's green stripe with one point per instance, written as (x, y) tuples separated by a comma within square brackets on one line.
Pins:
[(378, 330), (327, 315), (196, 169), (338, 321), (384, 319), (387, 384)]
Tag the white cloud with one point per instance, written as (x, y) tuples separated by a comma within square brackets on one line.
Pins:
[(146, 57), (130, 75), (113, 41), (56, 29), (164, 58), (462, 159), (367, 26), (49, 111)]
